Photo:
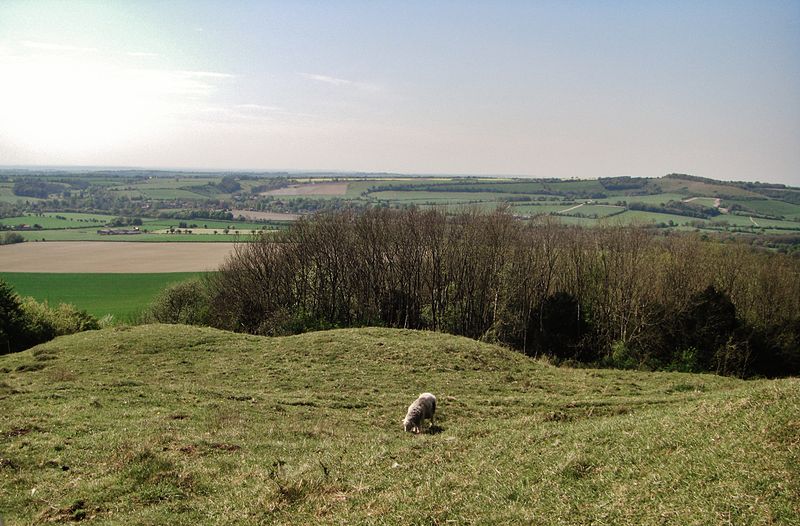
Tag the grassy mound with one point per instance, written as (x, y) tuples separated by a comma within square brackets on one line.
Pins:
[(164, 424)]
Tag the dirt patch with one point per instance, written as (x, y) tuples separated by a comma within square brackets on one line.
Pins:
[(116, 257), (265, 216), (311, 189)]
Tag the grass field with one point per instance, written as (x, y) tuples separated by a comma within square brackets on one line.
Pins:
[(92, 235), (756, 222), (433, 197), (122, 295), (593, 210), (50, 221), (768, 207), (654, 199), (529, 209), (7, 195), (690, 188), (179, 425)]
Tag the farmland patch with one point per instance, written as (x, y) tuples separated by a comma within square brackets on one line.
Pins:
[(121, 257)]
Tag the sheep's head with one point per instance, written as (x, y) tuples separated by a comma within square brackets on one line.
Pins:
[(410, 427)]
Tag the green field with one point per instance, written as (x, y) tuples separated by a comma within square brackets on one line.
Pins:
[(745, 221), (122, 295), (435, 197), (770, 207), (92, 235), (528, 209), (142, 192), (161, 424), (83, 227), (168, 182), (653, 199), (595, 210), (49, 220)]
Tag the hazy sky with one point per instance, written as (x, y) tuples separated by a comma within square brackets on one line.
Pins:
[(561, 89)]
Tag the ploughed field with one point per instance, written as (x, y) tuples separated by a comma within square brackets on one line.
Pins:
[(122, 257), (160, 424)]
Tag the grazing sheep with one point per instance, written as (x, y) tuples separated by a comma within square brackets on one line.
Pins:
[(422, 408)]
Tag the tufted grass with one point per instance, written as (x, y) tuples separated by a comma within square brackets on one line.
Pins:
[(162, 424)]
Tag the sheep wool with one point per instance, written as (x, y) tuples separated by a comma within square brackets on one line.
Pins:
[(423, 407)]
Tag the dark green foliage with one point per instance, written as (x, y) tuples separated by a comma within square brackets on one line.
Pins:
[(10, 238), (677, 208), (625, 183), (229, 184), (126, 221), (12, 322), (37, 188), (196, 214), (559, 327), (708, 325), (26, 322)]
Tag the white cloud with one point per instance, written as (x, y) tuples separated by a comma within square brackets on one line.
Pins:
[(56, 47), (334, 81), (142, 54), (258, 107), (206, 74), (63, 105)]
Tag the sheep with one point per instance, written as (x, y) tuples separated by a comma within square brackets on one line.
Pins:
[(423, 407)]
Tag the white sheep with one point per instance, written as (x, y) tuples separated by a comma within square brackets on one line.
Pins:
[(423, 407)]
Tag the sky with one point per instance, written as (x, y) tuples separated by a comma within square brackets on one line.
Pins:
[(532, 88)]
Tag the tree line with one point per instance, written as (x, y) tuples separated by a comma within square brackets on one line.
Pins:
[(615, 296)]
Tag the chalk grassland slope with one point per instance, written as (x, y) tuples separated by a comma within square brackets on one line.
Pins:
[(122, 257), (122, 295), (178, 425)]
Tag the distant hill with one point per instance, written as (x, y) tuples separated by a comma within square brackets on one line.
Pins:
[(161, 424)]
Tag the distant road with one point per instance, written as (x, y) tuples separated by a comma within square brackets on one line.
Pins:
[(112, 256), (568, 209)]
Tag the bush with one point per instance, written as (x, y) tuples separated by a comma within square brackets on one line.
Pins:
[(38, 321), (11, 238), (12, 320), (44, 323), (685, 361), (24, 322), (621, 357), (186, 303)]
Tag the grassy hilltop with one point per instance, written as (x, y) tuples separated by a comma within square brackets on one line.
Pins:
[(162, 424)]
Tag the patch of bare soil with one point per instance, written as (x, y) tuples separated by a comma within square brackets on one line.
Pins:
[(122, 257)]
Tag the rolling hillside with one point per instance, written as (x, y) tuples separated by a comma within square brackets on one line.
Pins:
[(162, 424)]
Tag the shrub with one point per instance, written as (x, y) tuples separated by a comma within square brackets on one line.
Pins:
[(68, 319), (11, 238), (38, 321), (685, 361), (621, 357), (44, 322), (12, 324), (186, 302)]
